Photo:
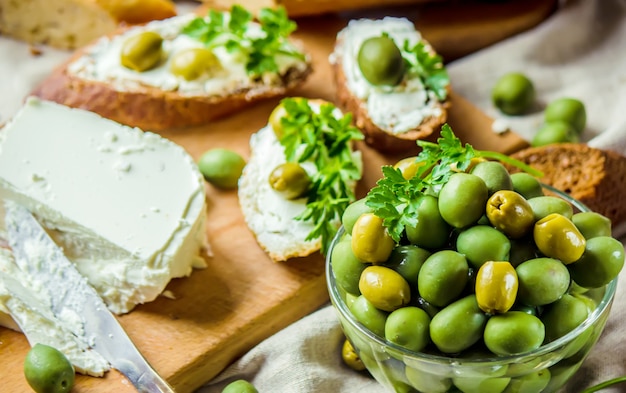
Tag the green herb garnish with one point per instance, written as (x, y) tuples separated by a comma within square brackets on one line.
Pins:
[(232, 31), (426, 64), (605, 384), (319, 136), (394, 198)]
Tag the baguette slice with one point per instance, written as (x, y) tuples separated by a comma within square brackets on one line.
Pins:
[(594, 176), (70, 24), (94, 79), (392, 118), (270, 216)]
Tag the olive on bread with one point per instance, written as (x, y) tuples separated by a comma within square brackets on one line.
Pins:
[(300, 177), (183, 71), (392, 80)]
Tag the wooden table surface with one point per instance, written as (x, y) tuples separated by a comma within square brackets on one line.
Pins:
[(242, 297)]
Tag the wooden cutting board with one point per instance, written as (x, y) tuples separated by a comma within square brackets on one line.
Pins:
[(241, 298)]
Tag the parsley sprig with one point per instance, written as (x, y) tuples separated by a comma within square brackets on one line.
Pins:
[(232, 31), (395, 199), (324, 138), (428, 65)]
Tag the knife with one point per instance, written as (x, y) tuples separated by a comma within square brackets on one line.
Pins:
[(36, 253)]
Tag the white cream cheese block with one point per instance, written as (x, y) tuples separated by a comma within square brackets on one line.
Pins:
[(126, 206)]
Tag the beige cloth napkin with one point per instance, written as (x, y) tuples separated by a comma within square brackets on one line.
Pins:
[(579, 52)]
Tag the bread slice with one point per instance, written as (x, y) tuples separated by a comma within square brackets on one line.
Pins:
[(94, 79), (271, 217), (70, 24), (411, 112), (595, 177)]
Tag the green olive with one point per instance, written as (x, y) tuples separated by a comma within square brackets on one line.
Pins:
[(513, 332), (601, 262), (381, 61), (142, 52), (526, 185), (350, 357), (194, 63), (443, 277), (352, 213), (554, 132), (496, 287), (370, 240), (557, 237), (494, 174), (541, 281), (385, 288), (371, 317), (408, 328), (240, 386), (291, 180), (221, 167), (513, 93), (563, 316), (458, 326), (569, 110), (47, 370), (592, 224), (510, 213), (346, 267), (409, 167)]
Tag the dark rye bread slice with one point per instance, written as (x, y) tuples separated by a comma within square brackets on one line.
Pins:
[(596, 177)]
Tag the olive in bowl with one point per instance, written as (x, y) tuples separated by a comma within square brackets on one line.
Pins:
[(456, 342)]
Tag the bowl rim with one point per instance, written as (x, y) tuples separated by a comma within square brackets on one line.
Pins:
[(340, 305)]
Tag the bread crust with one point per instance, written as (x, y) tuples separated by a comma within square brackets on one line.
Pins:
[(595, 177), (378, 138), (151, 108)]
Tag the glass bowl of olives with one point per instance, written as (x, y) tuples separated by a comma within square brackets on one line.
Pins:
[(485, 305)]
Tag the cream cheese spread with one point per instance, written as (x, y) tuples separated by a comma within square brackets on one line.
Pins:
[(30, 308), (101, 62), (397, 109), (269, 215), (126, 206)]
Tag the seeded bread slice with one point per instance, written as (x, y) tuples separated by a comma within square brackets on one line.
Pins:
[(594, 176)]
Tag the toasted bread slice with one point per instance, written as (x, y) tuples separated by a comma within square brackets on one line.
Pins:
[(593, 176), (155, 99), (269, 215), (70, 24), (392, 118)]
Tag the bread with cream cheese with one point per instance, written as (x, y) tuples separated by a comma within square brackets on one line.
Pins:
[(70, 24), (94, 79), (270, 216), (390, 125)]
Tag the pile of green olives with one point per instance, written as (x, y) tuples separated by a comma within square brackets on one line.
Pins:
[(491, 266)]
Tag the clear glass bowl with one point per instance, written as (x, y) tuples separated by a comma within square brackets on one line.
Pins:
[(401, 370)]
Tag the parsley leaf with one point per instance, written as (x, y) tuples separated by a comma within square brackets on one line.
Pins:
[(323, 138), (395, 199), (232, 30), (428, 65)]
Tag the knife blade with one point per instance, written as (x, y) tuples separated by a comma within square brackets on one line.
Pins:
[(37, 254)]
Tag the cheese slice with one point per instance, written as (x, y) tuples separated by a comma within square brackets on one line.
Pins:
[(127, 206)]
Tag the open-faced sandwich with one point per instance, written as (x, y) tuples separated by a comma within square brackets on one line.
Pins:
[(127, 207), (301, 174), (182, 71), (392, 80)]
